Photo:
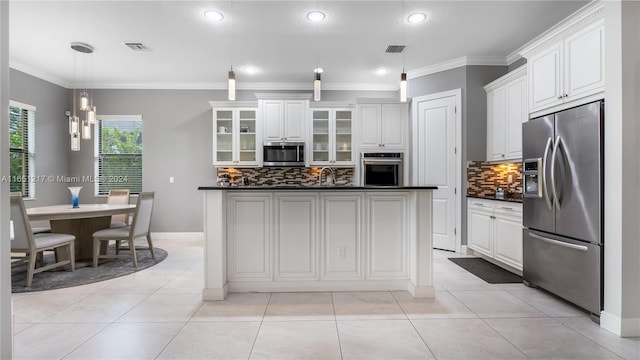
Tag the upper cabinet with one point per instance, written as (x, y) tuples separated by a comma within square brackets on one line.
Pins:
[(506, 111), (284, 120), (566, 66), (331, 137), (235, 134), (382, 126)]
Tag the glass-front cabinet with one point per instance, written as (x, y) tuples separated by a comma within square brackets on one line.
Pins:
[(331, 137), (235, 140)]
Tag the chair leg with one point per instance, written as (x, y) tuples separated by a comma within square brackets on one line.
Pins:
[(96, 251), (117, 247), (153, 256), (31, 267), (72, 255), (40, 258), (132, 248)]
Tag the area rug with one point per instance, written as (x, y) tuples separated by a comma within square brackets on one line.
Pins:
[(487, 271), (53, 279)]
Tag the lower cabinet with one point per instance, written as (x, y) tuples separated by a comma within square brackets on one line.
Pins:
[(317, 236), (495, 230)]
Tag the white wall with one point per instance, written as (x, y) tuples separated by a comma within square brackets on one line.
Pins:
[(6, 331), (621, 313)]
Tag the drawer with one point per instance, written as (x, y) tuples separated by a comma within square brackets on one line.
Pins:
[(509, 209), (481, 204)]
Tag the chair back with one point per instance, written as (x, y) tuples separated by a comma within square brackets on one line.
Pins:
[(142, 214), (119, 197), (22, 235)]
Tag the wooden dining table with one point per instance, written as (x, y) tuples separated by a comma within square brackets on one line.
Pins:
[(81, 222)]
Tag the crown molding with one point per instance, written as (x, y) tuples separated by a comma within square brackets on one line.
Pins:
[(39, 74), (457, 62), (233, 104)]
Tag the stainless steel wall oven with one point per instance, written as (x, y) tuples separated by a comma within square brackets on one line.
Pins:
[(382, 169)]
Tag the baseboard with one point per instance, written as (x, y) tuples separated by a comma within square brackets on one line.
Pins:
[(464, 250), (177, 235), (629, 327)]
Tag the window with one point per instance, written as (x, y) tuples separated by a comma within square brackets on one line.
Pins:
[(119, 154), (22, 148)]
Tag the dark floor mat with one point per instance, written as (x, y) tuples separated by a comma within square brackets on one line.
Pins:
[(486, 271)]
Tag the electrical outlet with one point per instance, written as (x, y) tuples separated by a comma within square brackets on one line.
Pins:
[(342, 252)]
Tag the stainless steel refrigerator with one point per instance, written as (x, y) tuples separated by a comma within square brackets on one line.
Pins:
[(563, 204)]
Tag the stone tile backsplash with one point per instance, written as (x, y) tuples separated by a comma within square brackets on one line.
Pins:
[(269, 176), (483, 178)]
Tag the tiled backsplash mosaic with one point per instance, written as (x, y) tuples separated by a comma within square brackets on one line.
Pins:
[(483, 178), (285, 175)]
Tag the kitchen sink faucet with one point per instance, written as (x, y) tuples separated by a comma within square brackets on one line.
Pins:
[(330, 179)]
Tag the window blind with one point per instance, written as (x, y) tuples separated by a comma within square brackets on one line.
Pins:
[(22, 148), (119, 160)]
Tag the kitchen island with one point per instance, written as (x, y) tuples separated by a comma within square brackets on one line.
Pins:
[(310, 238)]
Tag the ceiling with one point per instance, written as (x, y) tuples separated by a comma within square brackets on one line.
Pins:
[(191, 51)]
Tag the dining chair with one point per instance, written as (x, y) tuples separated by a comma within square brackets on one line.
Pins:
[(25, 241), (119, 197), (139, 228)]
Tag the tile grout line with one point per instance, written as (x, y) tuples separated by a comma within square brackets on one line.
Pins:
[(335, 321), (264, 313), (414, 326)]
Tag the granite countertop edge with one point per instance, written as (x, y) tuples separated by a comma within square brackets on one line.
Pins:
[(317, 188), (487, 197)]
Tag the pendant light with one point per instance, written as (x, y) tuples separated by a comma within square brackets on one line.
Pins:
[(403, 75), (316, 16), (74, 126), (77, 128), (231, 80), (317, 86)]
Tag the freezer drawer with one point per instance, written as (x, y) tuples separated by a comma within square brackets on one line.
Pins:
[(568, 268)]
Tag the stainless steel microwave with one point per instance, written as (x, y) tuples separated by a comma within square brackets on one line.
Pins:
[(283, 154)]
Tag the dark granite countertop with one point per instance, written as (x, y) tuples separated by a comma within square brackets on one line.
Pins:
[(316, 188), (490, 197)]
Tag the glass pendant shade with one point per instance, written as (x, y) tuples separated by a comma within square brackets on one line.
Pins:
[(232, 86), (317, 87), (74, 125), (75, 142), (86, 130), (403, 87), (91, 115), (84, 101)]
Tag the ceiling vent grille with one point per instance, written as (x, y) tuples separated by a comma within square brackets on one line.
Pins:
[(394, 49), (136, 46)]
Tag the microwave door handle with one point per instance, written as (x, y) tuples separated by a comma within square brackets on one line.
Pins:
[(553, 173), (545, 191)]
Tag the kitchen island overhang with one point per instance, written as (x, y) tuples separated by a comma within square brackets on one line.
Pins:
[(306, 238)]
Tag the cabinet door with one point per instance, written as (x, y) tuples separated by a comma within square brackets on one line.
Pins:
[(320, 152), (394, 123), (341, 233), (386, 236), (545, 78), (248, 147), (295, 117), (508, 240), (272, 117), (295, 237), (369, 126), (584, 62), (479, 231), (223, 140), (496, 121), (343, 137), (516, 114), (249, 238)]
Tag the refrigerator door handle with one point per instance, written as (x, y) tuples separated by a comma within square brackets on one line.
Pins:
[(553, 172), (560, 243), (544, 175)]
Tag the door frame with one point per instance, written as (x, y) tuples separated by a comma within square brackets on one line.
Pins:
[(457, 93)]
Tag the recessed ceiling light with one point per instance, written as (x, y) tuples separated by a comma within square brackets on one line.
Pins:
[(318, 70), (249, 70), (381, 71), (417, 18), (213, 15), (315, 16)]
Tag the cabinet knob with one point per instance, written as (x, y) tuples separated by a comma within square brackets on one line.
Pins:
[(502, 155), (566, 95), (559, 97)]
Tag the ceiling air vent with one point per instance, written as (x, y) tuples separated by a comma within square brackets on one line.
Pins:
[(394, 49), (136, 46)]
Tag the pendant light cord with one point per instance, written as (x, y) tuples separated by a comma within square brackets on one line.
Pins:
[(233, 20)]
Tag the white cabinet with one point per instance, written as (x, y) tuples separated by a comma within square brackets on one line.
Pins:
[(284, 120), (386, 236), (235, 137), (568, 68), (249, 232), (295, 237), (341, 234), (495, 230), (382, 126), (331, 137), (506, 111)]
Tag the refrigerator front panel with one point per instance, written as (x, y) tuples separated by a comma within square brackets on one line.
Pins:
[(568, 268), (537, 140), (578, 175)]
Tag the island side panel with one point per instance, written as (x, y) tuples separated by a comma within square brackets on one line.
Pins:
[(215, 245), (421, 273)]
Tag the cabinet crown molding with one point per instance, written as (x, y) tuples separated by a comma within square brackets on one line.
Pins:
[(586, 15), (520, 71), (283, 96), (381, 101), (233, 104), (331, 104)]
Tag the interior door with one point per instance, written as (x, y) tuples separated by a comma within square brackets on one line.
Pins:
[(436, 162)]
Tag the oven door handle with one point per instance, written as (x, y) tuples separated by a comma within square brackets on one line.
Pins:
[(380, 161)]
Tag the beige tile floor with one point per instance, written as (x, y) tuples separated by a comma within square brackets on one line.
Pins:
[(157, 314)]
